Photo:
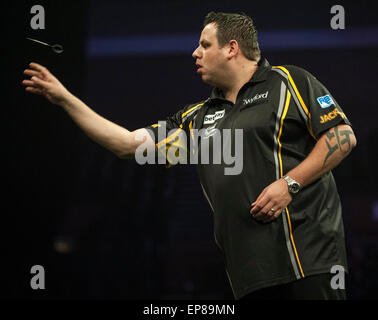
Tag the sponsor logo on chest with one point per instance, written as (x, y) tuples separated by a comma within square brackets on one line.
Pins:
[(258, 96), (211, 118)]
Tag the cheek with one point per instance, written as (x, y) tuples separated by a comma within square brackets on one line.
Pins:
[(210, 59)]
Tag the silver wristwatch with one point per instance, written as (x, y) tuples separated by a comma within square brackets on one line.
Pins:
[(293, 185)]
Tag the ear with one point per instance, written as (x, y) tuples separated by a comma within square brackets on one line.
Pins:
[(232, 49)]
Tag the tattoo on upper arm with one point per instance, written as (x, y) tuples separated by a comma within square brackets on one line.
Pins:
[(333, 146)]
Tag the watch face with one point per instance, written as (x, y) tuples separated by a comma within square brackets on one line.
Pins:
[(294, 187)]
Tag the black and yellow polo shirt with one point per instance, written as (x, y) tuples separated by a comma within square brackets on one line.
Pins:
[(282, 111)]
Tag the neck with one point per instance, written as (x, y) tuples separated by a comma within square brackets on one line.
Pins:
[(238, 79)]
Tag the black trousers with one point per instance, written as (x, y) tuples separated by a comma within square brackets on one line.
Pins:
[(316, 287)]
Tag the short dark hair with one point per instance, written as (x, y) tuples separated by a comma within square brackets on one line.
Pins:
[(239, 27)]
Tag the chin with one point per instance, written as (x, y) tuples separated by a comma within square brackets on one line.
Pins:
[(209, 82), (206, 79)]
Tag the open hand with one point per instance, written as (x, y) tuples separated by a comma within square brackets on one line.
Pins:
[(44, 83)]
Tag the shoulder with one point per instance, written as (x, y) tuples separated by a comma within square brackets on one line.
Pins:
[(294, 72), (192, 109), (196, 105)]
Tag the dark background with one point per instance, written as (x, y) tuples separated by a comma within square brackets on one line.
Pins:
[(105, 228)]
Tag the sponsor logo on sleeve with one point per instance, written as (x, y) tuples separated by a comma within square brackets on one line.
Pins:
[(325, 101), (331, 115)]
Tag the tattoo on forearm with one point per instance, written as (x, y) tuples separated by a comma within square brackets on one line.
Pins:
[(339, 142), (331, 150), (347, 134)]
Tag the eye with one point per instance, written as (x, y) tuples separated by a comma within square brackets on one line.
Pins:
[(205, 45)]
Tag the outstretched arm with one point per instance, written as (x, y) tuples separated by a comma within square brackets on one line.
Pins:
[(113, 137), (332, 147)]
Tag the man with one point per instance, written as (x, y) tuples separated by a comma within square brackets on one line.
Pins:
[(278, 221)]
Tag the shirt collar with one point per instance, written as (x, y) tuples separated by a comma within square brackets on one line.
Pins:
[(262, 71), (260, 75)]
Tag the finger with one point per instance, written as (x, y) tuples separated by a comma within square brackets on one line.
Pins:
[(260, 196), (39, 82), (39, 68), (275, 216), (28, 83), (259, 205), (32, 73), (36, 66), (269, 215), (34, 90), (264, 212)]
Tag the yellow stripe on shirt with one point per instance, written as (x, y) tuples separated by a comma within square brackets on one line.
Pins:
[(299, 97), (288, 96)]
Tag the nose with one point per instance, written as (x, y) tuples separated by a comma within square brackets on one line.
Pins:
[(195, 53)]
